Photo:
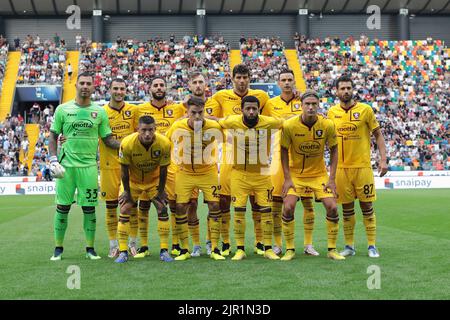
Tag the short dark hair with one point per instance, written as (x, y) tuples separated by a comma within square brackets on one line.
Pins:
[(146, 120), (120, 80), (240, 69), (85, 74), (195, 74), (283, 71), (194, 101), (156, 78), (343, 78), (249, 99)]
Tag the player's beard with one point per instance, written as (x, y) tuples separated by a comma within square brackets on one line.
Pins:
[(162, 96), (346, 99), (251, 122)]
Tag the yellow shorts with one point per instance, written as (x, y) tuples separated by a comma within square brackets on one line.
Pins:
[(277, 182), (311, 186), (187, 185), (144, 192), (244, 184), (355, 183), (110, 182), (224, 179)]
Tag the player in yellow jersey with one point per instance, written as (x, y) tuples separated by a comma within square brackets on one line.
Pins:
[(250, 175), (355, 122), (194, 139), (229, 103), (144, 158), (121, 116), (164, 113), (197, 86), (286, 106), (303, 142)]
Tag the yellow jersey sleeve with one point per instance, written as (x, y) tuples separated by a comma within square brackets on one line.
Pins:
[(212, 108), (165, 151), (285, 140)]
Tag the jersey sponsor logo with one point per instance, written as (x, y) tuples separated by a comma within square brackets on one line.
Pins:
[(120, 127), (232, 98), (309, 147), (162, 123), (137, 154), (237, 109), (338, 117), (71, 114), (94, 115), (278, 108), (299, 135), (82, 125), (347, 129), (147, 165)]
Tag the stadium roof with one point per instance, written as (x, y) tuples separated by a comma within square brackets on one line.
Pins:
[(58, 7)]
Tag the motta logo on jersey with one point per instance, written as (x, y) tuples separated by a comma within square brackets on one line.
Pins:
[(120, 127), (162, 124), (309, 147), (82, 125), (346, 128)]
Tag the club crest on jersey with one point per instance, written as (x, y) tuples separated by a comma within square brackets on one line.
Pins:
[(156, 153), (296, 106), (356, 115), (128, 113), (319, 133), (94, 115), (208, 110), (170, 112)]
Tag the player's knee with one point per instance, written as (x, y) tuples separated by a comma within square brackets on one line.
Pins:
[(288, 209), (62, 208), (225, 202), (88, 209), (112, 204), (365, 206), (181, 208), (193, 204), (332, 211)]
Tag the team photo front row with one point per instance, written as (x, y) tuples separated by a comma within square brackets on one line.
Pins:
[(235, 146)]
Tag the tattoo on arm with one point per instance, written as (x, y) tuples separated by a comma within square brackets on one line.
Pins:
[(111, 142)]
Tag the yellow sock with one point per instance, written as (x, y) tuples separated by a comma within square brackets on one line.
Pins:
[(370, 222), (208, 230), (214, 222), (134, 224), (267, 226), (239, 226), (111, 222), (194, 231), (277, 206), (289, 232), (349, 226), (308, 220), (143, 226), (332, 231), (256, 215), (182, 230), (163, 232), (225, 226), (123, 230), (173, 224)]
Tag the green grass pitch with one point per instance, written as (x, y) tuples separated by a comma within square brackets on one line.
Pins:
[(413, 239)]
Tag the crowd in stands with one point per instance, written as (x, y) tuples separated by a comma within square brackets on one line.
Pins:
[(264, 57), (137, 62), (405, 82), (3, 59), (12, 140), (41, 61)]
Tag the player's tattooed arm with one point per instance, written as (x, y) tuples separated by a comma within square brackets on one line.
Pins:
[(52, 143), (160, 201), (381, 144), (111, 142), (125, 197), (288, 184), (331, 185)]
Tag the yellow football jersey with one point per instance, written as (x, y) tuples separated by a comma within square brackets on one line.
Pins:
[(353, 130), (229, 103), (144, 163), (212, 109), (307, 145), (251, 146), (122, 124), (277, 107), (164, 116), (195, 152)]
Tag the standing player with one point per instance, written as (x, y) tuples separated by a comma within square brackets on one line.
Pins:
[(303, 143), (82, 123), (121, 120), (250, 174), (144, 157), (164, 114), (194, 138), (229, 103), (355, 122), (285, 106)]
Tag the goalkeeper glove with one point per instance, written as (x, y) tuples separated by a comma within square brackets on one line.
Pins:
[(56, 169)]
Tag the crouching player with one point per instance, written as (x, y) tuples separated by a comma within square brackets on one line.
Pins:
[(144, 157), (303, 139)]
